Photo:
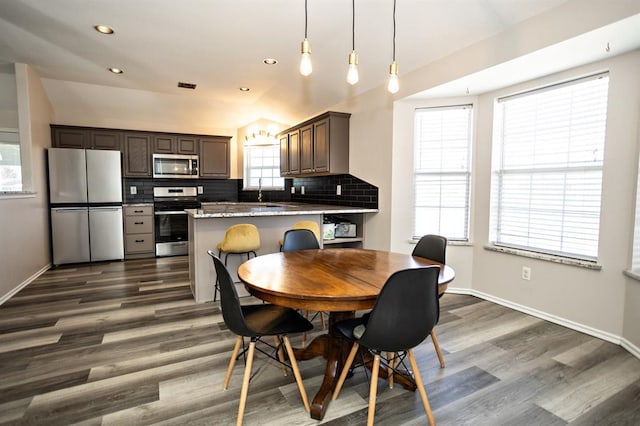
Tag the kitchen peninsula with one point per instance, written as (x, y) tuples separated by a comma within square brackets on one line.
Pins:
[(208, 225)]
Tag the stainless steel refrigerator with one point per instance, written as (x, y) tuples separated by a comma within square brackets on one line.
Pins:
[(85, 196)]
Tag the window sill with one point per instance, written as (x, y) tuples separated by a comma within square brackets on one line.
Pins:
[(264, 188), (17, 194), (632, 275), (546, 257), (449, 243)]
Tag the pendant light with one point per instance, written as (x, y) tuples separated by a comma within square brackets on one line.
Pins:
[(305, 60), (352, 72), (393, 86)]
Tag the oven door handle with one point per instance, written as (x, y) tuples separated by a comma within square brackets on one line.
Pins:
[(172, 212)]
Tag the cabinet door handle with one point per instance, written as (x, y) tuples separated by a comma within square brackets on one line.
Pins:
[(138, 211), (138, 223), (139, 241)]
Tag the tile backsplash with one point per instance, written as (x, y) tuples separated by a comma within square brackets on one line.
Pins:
[(317, 190), (213, 189), (323, 190)]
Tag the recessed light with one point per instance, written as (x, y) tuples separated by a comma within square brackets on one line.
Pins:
[(116, 70), (104, 29), (244, 89), (270, 61)]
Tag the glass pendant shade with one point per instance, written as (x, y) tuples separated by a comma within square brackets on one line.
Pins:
[(352, 73), (394, 85), (305, 61)]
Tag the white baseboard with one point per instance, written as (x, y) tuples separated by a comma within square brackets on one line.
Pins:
[(630, 347), (23, 284), (604, 335)]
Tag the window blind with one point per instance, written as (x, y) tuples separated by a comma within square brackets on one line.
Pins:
[(635, 262), (442, 159), (10, 163), (548, 180), (262, 167)]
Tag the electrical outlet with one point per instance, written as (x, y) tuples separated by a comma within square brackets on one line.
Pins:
[(302, 190), (338, 189), (293, 189), (200, 190), (526, 273), (133, 190)]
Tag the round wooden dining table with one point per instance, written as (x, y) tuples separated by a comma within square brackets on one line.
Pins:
[(339, 281)]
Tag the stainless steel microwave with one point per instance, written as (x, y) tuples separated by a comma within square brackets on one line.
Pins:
[(175, 166)]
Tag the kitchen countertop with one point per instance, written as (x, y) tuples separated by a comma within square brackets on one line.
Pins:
[(239, 209)]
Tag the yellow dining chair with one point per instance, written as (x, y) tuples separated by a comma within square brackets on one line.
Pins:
[(242, 238)]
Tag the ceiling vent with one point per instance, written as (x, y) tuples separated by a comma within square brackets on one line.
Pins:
[(186, 85)]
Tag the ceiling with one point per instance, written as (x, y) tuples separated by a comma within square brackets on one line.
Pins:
[(220, 46)]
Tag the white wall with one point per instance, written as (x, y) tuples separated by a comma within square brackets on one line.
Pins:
[(24, 222), (631, 331), (592, 298)]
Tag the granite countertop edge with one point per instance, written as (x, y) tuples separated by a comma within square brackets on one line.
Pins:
[(284, 210)]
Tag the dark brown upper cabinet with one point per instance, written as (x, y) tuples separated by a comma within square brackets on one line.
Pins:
[(290, 153), (175, 144), (137, 154), (164, 144), (214, 157), (188, 145), (105, 139), (85, 138), (319, 146), (139, 146), (69, 137)]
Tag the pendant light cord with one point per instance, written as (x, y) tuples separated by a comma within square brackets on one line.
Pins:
[(394, 30), (305, 18), (353, 25)]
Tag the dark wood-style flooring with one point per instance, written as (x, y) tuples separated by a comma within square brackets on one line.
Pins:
[(122, 343)]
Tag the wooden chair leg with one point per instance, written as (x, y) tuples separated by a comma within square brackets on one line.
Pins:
[(232, 362), (391, 362), (437, 346), (280, 356), (245, 383), (304, 335), (296, 373), (420, 386), (373, 389), (345, 370), (322, 320)]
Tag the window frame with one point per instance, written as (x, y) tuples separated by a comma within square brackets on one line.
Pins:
[(499, 171), (444, 174), (247, 176)]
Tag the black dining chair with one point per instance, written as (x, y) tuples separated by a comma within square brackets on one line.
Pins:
[(302, 239), (299, 239), (403, 316), (433, 247), (256, 322)]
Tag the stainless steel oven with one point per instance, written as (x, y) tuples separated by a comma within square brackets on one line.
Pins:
[(170, 219)]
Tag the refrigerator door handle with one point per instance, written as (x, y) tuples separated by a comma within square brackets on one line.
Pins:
[(106, 209), (69, 209)]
